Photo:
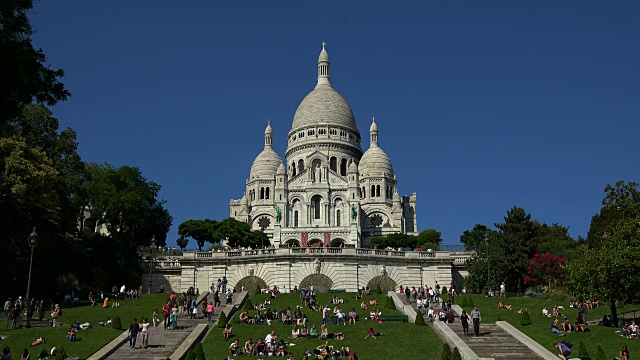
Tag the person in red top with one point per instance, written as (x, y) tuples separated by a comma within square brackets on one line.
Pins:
[(370, 334), (166, 312)]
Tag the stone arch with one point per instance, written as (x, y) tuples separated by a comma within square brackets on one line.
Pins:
[(251, 284), (315, 243), (386, 283), (321, 282), (337, 242), (292, 243)]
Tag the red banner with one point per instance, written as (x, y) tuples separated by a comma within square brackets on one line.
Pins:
[(305, 238), (327, 239)]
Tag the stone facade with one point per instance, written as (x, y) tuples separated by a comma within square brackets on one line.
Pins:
[(327, 191)]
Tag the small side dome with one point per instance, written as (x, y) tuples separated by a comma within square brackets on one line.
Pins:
[(353, 168), (324, 55), (374, 126), (269, 129), (281, 170), (266, 165), (375, 162)]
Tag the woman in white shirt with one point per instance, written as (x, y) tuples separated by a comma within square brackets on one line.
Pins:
[(145, 330)]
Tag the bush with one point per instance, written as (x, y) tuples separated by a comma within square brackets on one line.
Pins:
[(583, 354), (116, 323), (444, 290), (61, 354), (248, 305), (525, 319), (419, 318), (600, 354), (258, 290), (378, 289), (222, 322), (499, 318), (191, 355), (456, 354), (199, 352), (390, 304), (470, 304), (446, 352), (463, 302)]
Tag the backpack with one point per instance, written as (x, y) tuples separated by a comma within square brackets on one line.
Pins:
[(567, 344)]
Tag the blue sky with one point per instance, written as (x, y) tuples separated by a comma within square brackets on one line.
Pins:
[(481, 105)]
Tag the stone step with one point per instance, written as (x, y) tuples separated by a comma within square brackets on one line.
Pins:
[(494, 342)]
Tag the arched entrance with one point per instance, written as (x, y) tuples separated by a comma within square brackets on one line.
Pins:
[(321, 282), (337, 243), (386, 283), (252, 284), (315, 243), (292, 243)]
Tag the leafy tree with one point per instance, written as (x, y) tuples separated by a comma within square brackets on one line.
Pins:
[(555, 239), (474, 238), (395, 241), (200, 230), (182, 242), (25, 76), (545, 269), (622, 201), (429, 239)]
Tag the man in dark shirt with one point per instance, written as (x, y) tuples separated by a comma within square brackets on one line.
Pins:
[(134, 329)]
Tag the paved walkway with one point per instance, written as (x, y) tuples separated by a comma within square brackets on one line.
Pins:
[(163, 343), (494, 342)]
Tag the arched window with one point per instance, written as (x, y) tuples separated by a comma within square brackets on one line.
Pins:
[(337, 217), (267, 192), (293, 169), (373, 191), (377, 191), (300, 166), (343, 167), (315, 206), (295, 218), (261, 193), (364, 193), (333, 164)]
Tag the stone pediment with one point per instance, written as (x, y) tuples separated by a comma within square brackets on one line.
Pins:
[(317, 154), (337, 180)]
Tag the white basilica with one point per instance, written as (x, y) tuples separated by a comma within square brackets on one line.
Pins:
[(328, 193)]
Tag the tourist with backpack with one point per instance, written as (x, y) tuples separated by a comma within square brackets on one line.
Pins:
[(565, 349)]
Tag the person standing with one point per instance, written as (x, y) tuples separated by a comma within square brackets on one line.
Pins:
[(134, 329), (41, 310), (216, 299), (145, 331), (477, 319), (224, 284), (464, 320), (209, 311), (503, 290), (166, 312)]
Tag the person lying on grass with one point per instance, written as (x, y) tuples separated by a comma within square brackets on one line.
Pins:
[(502, 306), (38, 341)]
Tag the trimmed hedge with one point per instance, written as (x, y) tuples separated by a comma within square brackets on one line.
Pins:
[(446, 352), (525, 319), (222, 322)]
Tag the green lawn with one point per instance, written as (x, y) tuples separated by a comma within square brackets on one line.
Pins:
[(400, 340), (539, 331), (90, 340)]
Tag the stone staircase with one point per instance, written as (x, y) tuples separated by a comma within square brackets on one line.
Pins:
[(163, 343), (494, 342)]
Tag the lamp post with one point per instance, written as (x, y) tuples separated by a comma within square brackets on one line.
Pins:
[(153, 245), (33, 241), (486, 244)]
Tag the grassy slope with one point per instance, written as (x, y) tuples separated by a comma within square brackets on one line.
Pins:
[(400, 340), (539, 331), (90, 340)]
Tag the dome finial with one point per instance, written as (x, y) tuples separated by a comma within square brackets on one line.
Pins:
[(373, 132), (323, 66), (268, 135)]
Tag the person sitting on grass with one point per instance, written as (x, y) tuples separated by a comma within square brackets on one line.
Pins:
[(304, 332), (249, 347), (578, 326), (633, 330), (554, 327), (502, 306), (295, 333), (339, 336), (363, 305), (352, 316), (245, 318), (521, 310), (71, 335), (373, 302), (370, 334), (324, 332), (566, 325), (25, 355), (353, 356), (313, 332), (261, 347), (565, 350), (234, 348), (38, 341), (227, 333), (545, 312)]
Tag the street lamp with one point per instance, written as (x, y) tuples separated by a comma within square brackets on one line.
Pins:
[(33, 241), (153, 245), (486, 244)]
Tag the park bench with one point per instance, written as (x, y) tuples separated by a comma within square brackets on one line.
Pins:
[(336, 290), (403, 318)]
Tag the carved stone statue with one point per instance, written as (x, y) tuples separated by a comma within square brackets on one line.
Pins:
[(383, 270), (316, 265), (317, 174), (278, 214), (354, 212), (251, 270)]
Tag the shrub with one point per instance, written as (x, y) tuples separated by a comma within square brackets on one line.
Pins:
[(499, 318), (600, 354), (444, 290), (116, 323), (419, 318), (583, 354), (61, 354), (258, 290), (463, 302), (248, 305), (456, 354), (390, 304), (446, 352), (191, 355), (525, 319), (222, 322), (470, 303), (378, 289), (199, 352)]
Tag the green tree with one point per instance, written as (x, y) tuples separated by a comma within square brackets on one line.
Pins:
[(395, 241), (429, 239), (182, 242), (25, 76), (622, 200), (199, 230), (555, 239), (474, 238)]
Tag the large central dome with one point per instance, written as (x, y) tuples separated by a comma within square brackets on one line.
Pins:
[(323, 105)]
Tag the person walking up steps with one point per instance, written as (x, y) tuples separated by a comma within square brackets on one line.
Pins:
[(166, 312), (477, 319), (145, 331), (134, 329)]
